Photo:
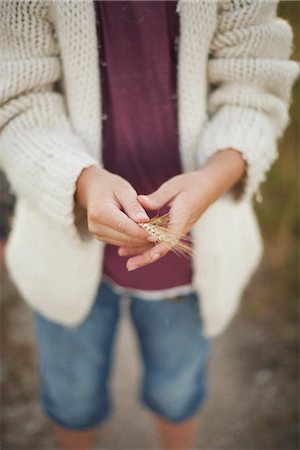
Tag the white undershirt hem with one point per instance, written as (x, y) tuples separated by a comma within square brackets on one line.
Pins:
[(155, 295)]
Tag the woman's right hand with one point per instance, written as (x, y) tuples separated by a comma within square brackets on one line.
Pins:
[(112, 208)]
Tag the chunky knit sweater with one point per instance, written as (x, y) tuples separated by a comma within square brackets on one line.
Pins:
[(234, 84)]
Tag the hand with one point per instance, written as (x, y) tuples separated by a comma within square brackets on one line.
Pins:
[(188, 196), (112, 207)]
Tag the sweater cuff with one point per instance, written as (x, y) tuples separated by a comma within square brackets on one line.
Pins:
[(252, 134), (51, 161), (58, 196)]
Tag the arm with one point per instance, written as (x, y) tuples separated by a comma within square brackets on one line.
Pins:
[(45, 161), (188, 195), (250, 78), (40, 153)]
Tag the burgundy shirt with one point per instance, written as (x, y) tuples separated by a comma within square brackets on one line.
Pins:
[(138, 62)]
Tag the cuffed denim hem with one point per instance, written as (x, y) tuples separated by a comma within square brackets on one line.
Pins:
[(192, 409), (93, 422)]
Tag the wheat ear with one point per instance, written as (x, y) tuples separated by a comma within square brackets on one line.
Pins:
[(157, 228)]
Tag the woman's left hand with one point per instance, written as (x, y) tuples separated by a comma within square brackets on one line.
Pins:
[(188, 195)]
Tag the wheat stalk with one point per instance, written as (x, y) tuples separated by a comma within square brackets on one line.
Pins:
[(157, 228)]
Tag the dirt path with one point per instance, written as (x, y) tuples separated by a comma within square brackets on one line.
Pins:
[(253, 402)]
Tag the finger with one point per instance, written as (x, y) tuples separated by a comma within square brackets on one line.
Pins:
[(109, 214), (124, 239), (127, 197), (148, 257), (162, 196), (132, 251), (179, 216), (107, 240)]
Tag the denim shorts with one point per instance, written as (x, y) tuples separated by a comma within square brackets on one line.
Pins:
[(75, 363)]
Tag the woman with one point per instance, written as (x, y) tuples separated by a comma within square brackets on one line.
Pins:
[(79, 181)]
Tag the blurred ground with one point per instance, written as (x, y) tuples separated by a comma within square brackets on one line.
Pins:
[(254, 369)]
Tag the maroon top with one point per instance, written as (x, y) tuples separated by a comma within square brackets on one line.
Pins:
[(138, 63)]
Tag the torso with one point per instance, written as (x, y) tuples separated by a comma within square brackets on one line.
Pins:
[(138, 63)]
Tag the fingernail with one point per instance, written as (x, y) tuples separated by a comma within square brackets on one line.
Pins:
[(122, 252), (155, 256), (131, 268), (141, 215), (151, 239)]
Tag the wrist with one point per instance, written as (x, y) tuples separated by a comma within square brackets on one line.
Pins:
[(83, 184), (225, 169)]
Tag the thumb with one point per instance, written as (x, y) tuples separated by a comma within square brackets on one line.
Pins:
[(159, 198), (178, 216)]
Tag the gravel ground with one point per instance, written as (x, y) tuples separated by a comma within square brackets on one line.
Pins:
[(253, 402)]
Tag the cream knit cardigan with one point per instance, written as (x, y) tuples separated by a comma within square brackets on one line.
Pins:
[(234, 83)]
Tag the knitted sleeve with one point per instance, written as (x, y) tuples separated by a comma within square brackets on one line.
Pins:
[(40, 153), (250, 81)]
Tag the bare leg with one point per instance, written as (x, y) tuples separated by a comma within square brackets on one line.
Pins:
[(177, 436), (75, 440)]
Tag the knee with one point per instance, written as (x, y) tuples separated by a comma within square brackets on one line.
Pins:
[(174, 402)]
